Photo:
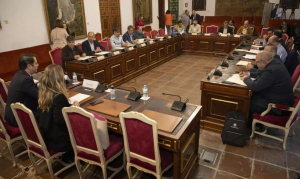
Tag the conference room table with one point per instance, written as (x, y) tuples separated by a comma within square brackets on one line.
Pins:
[(183, 141)]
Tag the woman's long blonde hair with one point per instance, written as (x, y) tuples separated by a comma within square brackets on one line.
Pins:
[(51, 83)]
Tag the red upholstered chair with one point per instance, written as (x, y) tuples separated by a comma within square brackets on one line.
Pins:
[(141, 145), (147, 29), (3, 93), (161, 32), (153, 34), (104, 44), (79, 45), (98, 36), (289, 41), (280, 122), (10, 134), (212, 29), (202, 28), (108, 42), (86, 143), (147, 34), (34, 140), (172, 28), (55, 56), (296, 77), (264, 31), (285, 37)]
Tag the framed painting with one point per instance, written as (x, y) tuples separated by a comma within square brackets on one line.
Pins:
[(290, 4), (142, 7), (70, 12), (199, 5)]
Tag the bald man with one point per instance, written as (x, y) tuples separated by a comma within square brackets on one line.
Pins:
[(274, 40), (272, 85), (91, 46), (245, 29)]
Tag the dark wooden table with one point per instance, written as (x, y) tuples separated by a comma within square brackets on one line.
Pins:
[(183, 141)]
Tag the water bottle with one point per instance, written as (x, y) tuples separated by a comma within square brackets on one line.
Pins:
[(112, 93), (145, 91), (74, 78)]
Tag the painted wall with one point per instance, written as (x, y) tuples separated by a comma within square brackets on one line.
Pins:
[(26, 27)]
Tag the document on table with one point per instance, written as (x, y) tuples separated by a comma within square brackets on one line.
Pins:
[(252, 57), (78, 97), (253, 51), (242, 63), (119, 48), (256, 46), (241, 50), (84, 58), (140, 41), (236, 79), (102, 53)]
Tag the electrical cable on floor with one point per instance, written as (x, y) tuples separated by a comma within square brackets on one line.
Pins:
[(26, 169)]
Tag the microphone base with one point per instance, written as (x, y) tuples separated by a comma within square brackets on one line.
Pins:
[(178, 106), (134, 96), (101, 88)]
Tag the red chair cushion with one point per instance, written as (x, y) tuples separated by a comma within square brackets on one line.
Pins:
[(115, 146), (40, 151), (212, 29), (153, 34), (79, 46), (166, 160), (147, 34), (161, 32), (56, 56), (98, 117), (12, 131), (276, 120), (104, 44)]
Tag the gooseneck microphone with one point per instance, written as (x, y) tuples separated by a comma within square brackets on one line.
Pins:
[(177, 105), (133, 95), (172, 95)]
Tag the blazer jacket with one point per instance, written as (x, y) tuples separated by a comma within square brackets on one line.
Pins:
[(229, 30), (21, 89), (53, 126), (67, 54), (198, 17), (126, 37), (192, 28), (240, 31), (86, 47), (272, 85)]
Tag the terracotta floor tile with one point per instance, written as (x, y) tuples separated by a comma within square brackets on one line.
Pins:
[(212, 140), (271, 155), (293, 161), (225, 175), (217, 152), (266, 171), (294, 174), (293, 145), (203, 172), (248, 150), (235, 164)]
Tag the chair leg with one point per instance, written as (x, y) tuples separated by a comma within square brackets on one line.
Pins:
[(31, 157), (50, 168), (253, 130), (12, 154), (129, 171), (286, 133), (104, 171), (79, 167)]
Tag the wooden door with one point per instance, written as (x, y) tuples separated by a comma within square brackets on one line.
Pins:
[(161, 13), (110, 16)]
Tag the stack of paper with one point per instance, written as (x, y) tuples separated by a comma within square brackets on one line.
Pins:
[(78, 97), (256, 46), (236, 79), (252, 57), (253, 51), (242, 63), (102, 53), (119, 48), (241, 50), (140, 41), (84, 58)]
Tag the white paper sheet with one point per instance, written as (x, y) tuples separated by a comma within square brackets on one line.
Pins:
[(78, 97), (256, 46), (102, 53), (237, 36), (141, 41), (119, 48), (145, 99), (252, 57), (84, 58), (236, 79), (159, 37), (253, 51), (242, 63), (241, 50)]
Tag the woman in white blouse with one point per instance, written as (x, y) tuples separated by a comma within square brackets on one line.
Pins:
[(59, 35)]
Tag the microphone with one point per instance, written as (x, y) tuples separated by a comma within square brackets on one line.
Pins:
[(101, 88), (225, 64), (177, 105), (133, 95)]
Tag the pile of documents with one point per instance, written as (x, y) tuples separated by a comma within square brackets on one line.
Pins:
[(236, 79)]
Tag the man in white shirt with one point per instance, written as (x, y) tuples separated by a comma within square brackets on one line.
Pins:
[(195, 28), (116, 39), (274, 40)]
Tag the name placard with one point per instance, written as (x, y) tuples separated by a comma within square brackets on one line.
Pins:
[(194, 33), (224, 35), (238, 36), (169, 37), (207, 34), (161, 39), (100, 58), (143, 45), (130, 48), (90, 84), (116, 53), (151, 42)]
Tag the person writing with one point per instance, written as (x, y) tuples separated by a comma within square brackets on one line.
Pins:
[(128, 36), (116, 39)]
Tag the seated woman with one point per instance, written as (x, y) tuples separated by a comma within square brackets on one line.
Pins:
[(53, 96)]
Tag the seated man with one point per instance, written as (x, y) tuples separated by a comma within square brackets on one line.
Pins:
[(139, 33), (195, 27), (116, 39), (274, 40), (245, 29), (272, 85), (22, 87), (179, 28), (278, 33), (128, 36), (70, 51), (91, 46), (225, 29)]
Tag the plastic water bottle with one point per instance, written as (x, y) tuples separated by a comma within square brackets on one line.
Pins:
[(112, 93), (74, 78), (145, 92)]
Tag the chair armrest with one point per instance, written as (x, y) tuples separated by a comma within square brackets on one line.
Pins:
[(277, 106)]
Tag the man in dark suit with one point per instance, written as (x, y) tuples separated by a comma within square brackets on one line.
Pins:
[(91, 46), (272, 85), (196, 16), (128, 36), (225, 29), (22, 87), (70, 51), (278, 33)]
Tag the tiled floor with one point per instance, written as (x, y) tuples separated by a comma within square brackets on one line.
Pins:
[(260, 158)]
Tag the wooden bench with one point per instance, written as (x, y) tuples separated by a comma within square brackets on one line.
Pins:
[(10, 60)]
